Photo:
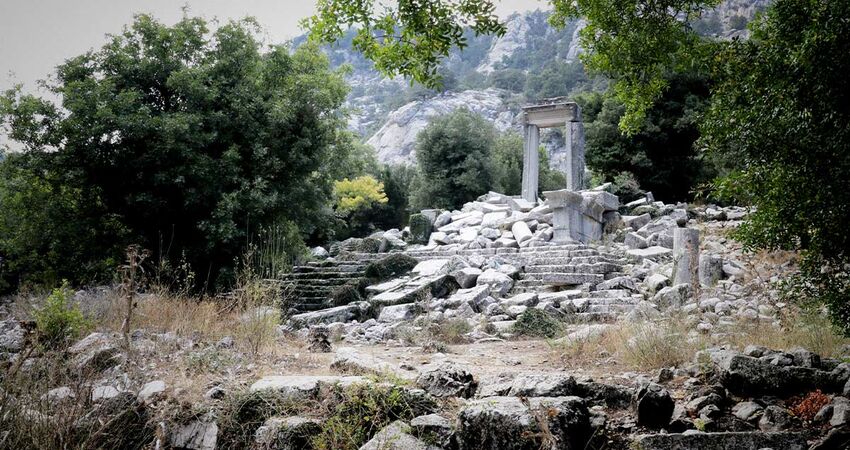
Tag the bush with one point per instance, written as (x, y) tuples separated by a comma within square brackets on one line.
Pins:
[(59, 321), (347, 293), (364, 409), (390, 266), (538, 323)]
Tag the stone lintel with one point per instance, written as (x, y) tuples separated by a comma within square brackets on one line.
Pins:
[(556, 114)]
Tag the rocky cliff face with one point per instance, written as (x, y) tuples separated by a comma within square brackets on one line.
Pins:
[(395, 141), (389, 113)]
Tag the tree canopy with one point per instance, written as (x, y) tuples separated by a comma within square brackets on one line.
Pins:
[(453, 155), (189, 140)]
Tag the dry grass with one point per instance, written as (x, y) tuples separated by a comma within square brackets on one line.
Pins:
[(809, 330), (651, 345)]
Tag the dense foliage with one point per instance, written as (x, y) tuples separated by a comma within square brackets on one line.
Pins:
[(453, 154), (408, 38), (507, 162), (180, 139), (780, 117), (662, 156)]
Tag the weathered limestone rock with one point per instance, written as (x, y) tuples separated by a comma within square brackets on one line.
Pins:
[(686, 256), (543, 385), (151, 391), (344, 313), (653, 406), (499, 283), (12, 336), (196, 435), (287, 433), (747, 375), (398, 313), (676, 295), (521, 232), (722, 441), (508, 423), (710, 270), (351, 360), (434, 428), (447, 380), (396, 436), (430, 267), (420, 228), (466, 277), (296, 387), (319, 339)]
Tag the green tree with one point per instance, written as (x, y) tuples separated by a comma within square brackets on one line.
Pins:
[(408, 38), (661, 156), (190, 139), (453, 155), (779, 118), (507, 162)]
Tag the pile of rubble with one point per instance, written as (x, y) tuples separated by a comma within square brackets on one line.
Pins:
[(499, 256)]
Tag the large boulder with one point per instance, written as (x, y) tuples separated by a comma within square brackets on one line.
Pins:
[(447, 380), (299, 387), (751, 376), (513, 423), (287, 433), (420, 228), (653, 406), (499, 283)]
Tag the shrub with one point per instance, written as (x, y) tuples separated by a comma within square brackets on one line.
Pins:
[(538, 323), (390, 266), (364, 409), (347, 293), (59, 321), (807, 407)]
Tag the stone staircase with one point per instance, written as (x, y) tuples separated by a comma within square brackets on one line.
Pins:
[(544, 269), (313, 283)]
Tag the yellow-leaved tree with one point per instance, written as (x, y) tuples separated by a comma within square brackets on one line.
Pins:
[(358, 194)]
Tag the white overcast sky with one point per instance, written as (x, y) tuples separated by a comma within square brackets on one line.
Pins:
[(37, 35)]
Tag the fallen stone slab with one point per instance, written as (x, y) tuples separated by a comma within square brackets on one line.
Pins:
[(196, 435), (300, 387), (722, 441), (344, 313), (649, 252), (398, 313), (747, 375), (351, 360), (512, 423)]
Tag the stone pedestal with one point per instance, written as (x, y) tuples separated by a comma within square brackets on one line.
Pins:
[(686, 257), (531, 163), (566, 217)]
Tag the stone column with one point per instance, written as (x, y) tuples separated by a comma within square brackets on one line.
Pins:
[(530, 163), (686, 258), (575, 153), (566, 217)]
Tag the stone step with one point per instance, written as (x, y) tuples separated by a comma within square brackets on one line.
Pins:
[(320, 275), (342, 268), (554, 260), (596, 268), (561, 279)]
